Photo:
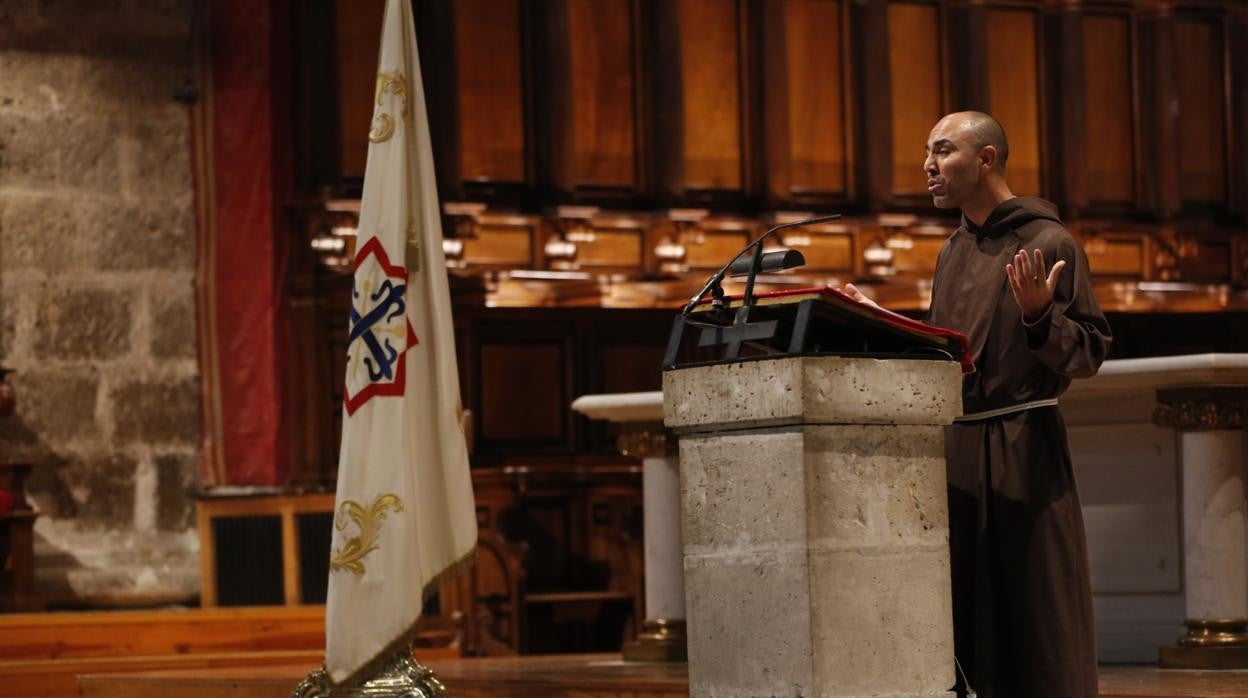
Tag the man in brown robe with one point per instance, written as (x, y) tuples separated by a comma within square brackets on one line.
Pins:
[(1013, 280)]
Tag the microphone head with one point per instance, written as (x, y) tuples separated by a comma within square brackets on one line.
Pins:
[(778, 260)]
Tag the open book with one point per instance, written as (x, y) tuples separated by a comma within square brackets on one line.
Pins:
[(822, 320)]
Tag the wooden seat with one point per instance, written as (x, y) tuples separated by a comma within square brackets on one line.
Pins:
[(489, 598)]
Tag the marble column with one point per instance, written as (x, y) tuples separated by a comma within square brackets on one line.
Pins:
[(663, 635), (643, 436), (815, 525), (1214, 448)]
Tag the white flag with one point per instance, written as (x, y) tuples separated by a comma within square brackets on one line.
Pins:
[(404, 511)]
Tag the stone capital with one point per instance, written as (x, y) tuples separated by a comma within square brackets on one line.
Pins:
[(1202, 409), (646, 441)]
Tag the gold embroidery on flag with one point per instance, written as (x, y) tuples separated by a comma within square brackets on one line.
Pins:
[(383, 123), (383, 128), (350, 557), (396, 84), (413, 246)]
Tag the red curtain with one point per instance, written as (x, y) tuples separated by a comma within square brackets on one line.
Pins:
[(241, 168)]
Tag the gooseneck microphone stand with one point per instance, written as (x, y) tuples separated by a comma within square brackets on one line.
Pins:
[(731, 336), (713, 285)]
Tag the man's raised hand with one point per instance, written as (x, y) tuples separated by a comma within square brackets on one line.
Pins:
[(1033, 289)]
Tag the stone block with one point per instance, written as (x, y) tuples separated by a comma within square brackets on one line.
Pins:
[(156, 236), (48, 490), (13, 10), (730, 487), (173, 324), (42, 233), (159, 161), (101, 11), (39, 82), (749, 624), (89, 155), (140, 80), (155, 411), (28, 150), (881, 623), (175, 476), (148, 19), (83, 324), (175, 13), (96, 490), (875, 485), (8, 324), (812, 390), (57, 405), (106, 485)]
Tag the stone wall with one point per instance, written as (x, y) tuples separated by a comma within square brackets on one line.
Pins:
[(97, 259)]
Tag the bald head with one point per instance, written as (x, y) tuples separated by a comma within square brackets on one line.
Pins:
[(984, 130), (965, 163)]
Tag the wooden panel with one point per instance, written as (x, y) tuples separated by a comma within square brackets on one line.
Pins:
[(816, 108), (1110, 124), (144, 633), (921, 258), (603, 130), (716, 248), (359, 40), (630, 368), (500, 246), (829, 253), (522, 392), (915, 73), (1202, 137), (491, 107), (1116, 257), (612, 248), (1013, 93), (97, 677), (709, 67), (1212, 262)]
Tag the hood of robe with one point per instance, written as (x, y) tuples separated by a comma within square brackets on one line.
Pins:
[(1011, 215)]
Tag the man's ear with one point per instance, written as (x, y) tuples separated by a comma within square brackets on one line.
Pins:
[(988, 156)]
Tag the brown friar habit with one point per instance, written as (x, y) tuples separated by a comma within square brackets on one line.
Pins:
[(1022, 601)]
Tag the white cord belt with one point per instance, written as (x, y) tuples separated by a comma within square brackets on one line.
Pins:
[(1002, 411)]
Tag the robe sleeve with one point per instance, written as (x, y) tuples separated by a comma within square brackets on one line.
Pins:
[(1072, 338)]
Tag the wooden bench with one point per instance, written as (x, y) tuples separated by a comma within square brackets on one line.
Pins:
[(41, 654)]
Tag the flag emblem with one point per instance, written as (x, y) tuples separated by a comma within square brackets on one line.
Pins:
[(380, 331)]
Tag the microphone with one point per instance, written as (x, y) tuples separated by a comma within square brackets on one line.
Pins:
[(771, 261), (754, 264)]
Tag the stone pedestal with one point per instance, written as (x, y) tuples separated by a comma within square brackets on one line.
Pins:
[(1215, 568), (640, 414), (815, 525)]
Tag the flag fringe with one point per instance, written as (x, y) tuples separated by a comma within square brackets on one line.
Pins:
[(405, 638)]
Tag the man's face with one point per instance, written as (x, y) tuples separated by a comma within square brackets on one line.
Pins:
[(953, 165)]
